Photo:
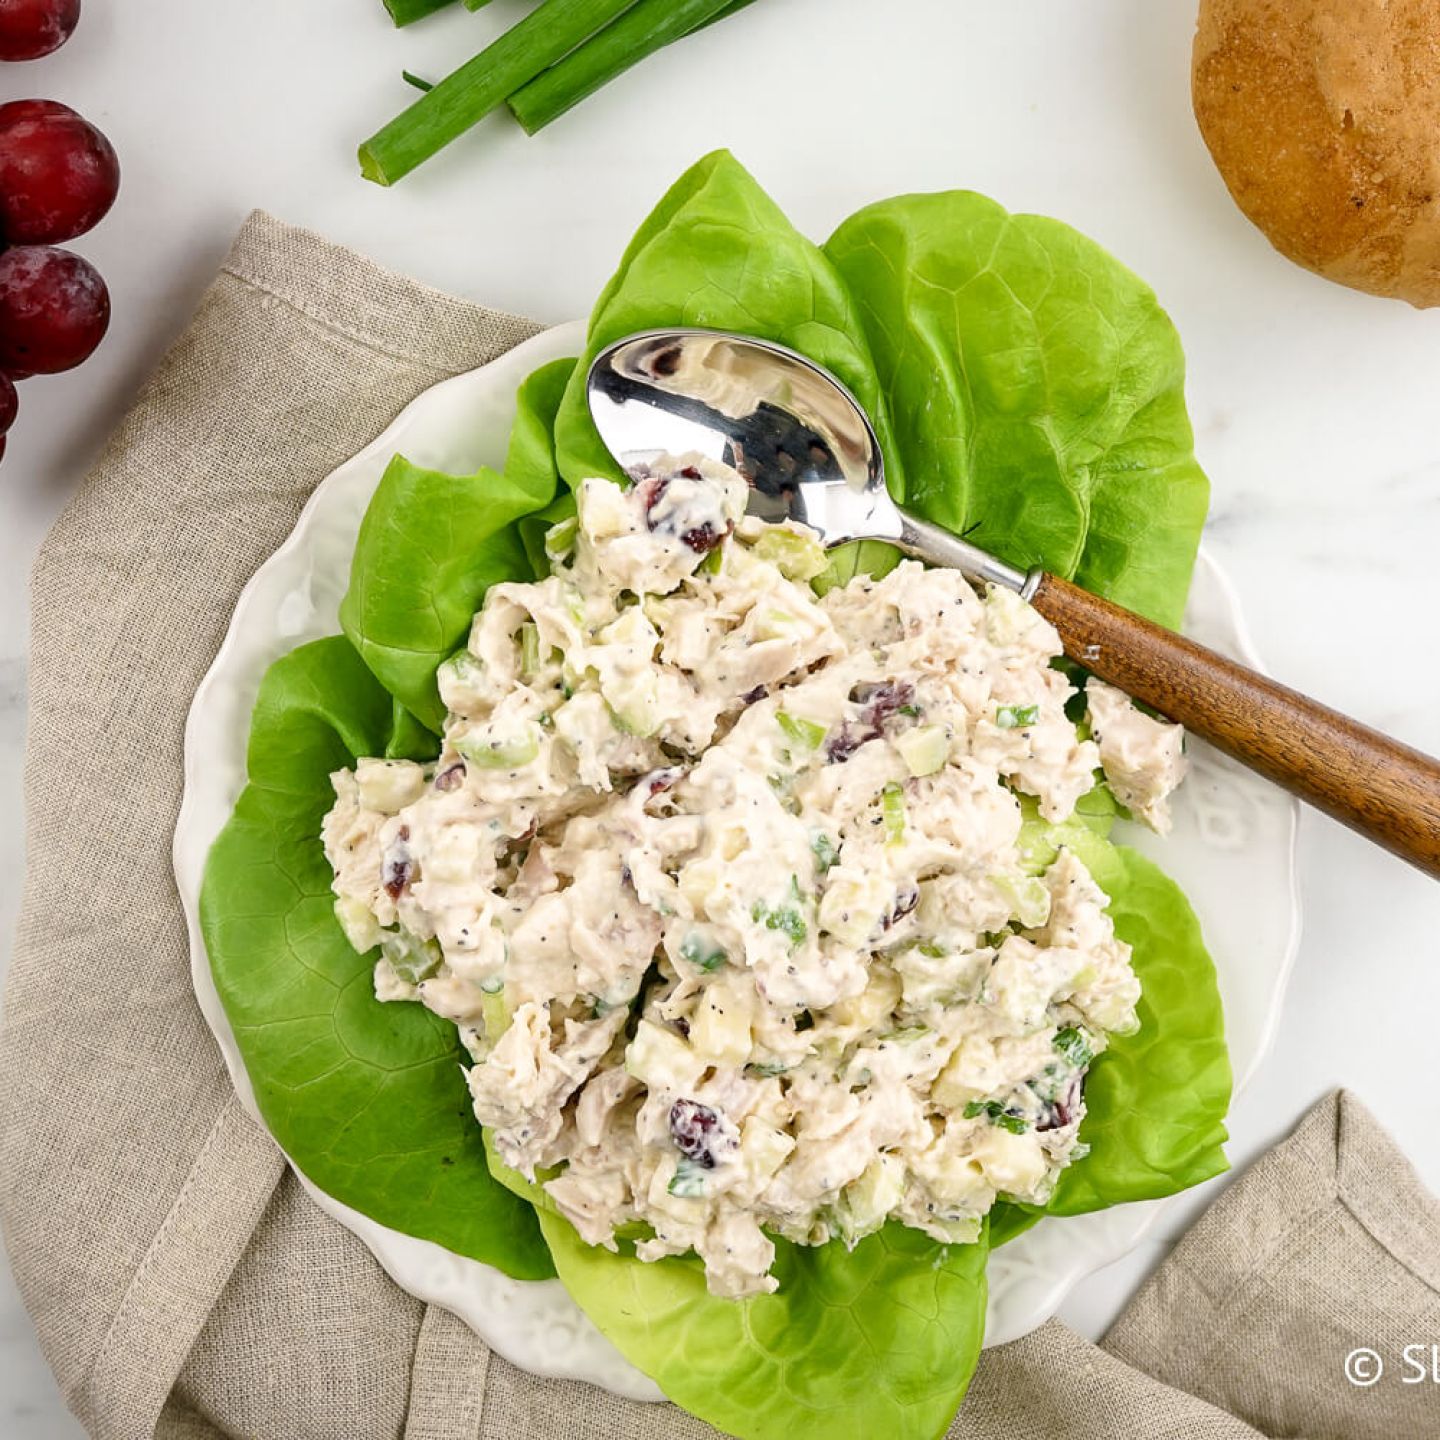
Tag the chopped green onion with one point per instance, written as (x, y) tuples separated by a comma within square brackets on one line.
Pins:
[(892, 807), (1074, 1045), (702, 952), (826, 855), (688, 1181), (767, 1068), (785, 918), (807, 734), (997, 1114), (416, 81), (1016, 717)]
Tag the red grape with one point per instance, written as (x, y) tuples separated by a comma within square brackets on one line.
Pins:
[(54, 309), (9, 404), (32, 28), (58, 173)]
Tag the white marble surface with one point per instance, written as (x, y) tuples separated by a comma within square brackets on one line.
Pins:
[(1315, 408)]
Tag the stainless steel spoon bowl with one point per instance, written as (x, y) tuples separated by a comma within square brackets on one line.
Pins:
[(787, 425), (810, 454)]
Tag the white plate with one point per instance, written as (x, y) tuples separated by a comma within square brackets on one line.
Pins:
[(1233, 850)]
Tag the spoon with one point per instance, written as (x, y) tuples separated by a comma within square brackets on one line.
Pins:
[(810, 454)]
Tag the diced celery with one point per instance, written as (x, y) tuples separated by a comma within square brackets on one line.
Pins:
[(500, 752), (637, 715), (796, 557), (924, 749), (529, 649), (892, 807), (807, 734), (496, 1011), (1028, 897), (560, 539), (1016, 717), (412, 959)]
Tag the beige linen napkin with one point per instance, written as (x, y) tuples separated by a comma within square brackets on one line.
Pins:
[(181, 1283)]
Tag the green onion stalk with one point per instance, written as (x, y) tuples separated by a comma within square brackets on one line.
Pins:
[(548, 33), (644, 28)]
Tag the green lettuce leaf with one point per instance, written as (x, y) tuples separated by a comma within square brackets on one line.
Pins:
[(718, 253), (1035, 390), (366, 1099), (432, 544), (1156, 1100), (878, 1341)]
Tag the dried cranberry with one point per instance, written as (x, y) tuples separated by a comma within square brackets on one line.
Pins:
[(658, 780), (878, 703), (846, 741), (651, 490), (702, 539), (697, 1132), (397, 868), (883, 700), (452, 777), (1063, 1109)]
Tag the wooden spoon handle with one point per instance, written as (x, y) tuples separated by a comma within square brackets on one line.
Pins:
[(1385, 790)]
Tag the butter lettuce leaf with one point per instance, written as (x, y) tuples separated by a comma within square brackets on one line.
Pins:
[(718, 253), (881, 1340), (1156, 1100), (432, 544), (368, 1100), (1035, 393)]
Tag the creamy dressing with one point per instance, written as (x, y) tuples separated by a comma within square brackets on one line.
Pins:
[(725, 884)]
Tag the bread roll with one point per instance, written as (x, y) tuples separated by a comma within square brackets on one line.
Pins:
[(1323, 116)]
